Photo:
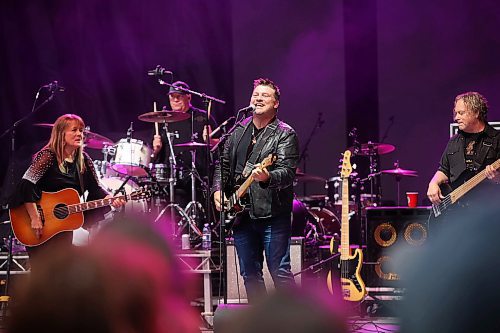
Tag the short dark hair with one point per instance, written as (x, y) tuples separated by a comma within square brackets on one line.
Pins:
[(269, 83), (475, 102)]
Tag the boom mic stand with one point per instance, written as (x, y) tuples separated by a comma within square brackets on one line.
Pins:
[(5, 298), (304, 155)]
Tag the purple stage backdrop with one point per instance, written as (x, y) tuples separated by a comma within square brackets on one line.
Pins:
[(390, 68)]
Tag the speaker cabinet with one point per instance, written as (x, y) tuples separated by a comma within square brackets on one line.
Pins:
[(390, 228), (236, 292)]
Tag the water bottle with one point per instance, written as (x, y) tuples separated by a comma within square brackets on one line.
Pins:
[(206, 239)]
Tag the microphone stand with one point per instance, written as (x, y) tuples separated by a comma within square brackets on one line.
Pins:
[(222, 225), (304, 154), (5, 298)]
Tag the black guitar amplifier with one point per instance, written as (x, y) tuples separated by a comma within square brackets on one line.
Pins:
[(392, 229)]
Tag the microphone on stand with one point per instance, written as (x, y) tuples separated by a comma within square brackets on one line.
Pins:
[(250, 108), (54, 86), (159, 71)]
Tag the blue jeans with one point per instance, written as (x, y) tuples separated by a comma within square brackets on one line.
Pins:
[(253, 239)]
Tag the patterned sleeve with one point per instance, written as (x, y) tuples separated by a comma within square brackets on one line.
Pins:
[(27, 189), (42, 161)]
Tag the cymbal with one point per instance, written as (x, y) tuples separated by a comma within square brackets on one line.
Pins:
[(303, 177), (90, 139), (164, 116), (400, 172), (192, 144), (374, 148)]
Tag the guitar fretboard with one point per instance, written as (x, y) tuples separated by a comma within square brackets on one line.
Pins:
[(471, 183), (81, 207)]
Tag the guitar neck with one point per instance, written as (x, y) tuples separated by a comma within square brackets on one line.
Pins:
[(471, 183), (344, 227), (244, 187), (84, 206)]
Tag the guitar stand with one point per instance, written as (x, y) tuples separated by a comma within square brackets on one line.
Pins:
[(319, 263)]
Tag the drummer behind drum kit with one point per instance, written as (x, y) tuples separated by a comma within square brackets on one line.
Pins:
[(126, 166), (317, 217)]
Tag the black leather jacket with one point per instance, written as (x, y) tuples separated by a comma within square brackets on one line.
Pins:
[(274, 197)]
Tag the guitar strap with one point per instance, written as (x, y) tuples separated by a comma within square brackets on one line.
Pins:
[(257, 149), (80, 178)]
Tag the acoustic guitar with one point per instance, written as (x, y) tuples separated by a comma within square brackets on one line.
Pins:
[(60, 211)]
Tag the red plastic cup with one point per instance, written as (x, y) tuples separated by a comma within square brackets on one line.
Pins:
[(412, 199)]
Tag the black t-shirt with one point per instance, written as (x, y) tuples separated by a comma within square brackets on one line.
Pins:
[(245, 147), (470, 149)]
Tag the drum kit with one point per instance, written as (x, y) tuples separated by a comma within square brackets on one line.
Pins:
[(317, 217), (126, 165)]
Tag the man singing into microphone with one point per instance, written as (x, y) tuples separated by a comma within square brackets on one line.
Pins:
[(264, 227)]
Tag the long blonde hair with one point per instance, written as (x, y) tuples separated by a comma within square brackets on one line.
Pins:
[(56, 142)]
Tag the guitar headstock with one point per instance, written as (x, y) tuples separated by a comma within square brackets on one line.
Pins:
[(141, 193), (269, 160), (346, 165)]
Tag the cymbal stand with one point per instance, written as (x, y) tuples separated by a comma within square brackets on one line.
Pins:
[(172, 181), (193, 208)]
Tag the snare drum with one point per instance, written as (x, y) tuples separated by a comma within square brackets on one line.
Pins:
[(131, 158)]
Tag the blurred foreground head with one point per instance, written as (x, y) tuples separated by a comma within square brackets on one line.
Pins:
[(452, 285), (288, 310), (125, 281)]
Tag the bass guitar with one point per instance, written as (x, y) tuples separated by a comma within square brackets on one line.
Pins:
[(352, 286), (233, 204), (455, 195), (60, 211)]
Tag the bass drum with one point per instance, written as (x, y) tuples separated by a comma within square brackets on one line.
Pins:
[(327, 221), (112, 184), (313, 223)]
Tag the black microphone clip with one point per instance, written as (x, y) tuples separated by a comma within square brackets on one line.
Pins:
[(159, 71), (54, 87)]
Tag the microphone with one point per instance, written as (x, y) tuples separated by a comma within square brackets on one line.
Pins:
[(54, 86), (159, 71), (250, 108)]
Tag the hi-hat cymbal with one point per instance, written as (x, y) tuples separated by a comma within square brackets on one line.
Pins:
[(164, 116), (374, 148), (90, 139), (400, 172), (303, 177), (191, 144)]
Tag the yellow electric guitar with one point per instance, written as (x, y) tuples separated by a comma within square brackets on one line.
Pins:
[(352, 286), (60, 211)]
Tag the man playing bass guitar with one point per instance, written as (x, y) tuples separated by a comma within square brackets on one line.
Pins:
[(474, 151), (265, 227)]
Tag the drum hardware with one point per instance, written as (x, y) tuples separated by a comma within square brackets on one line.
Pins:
[(164, 116), (304, 154), (399, 173)]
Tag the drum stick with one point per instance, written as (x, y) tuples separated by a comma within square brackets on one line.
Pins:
[(156, 124)]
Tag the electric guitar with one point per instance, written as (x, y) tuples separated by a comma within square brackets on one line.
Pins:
[(460, 191), (233, 204), (352, 286), (60, 211)]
